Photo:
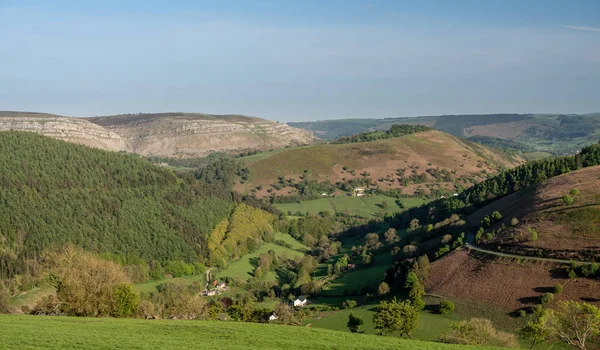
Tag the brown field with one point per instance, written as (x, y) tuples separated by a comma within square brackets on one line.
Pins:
[(421, 151), (504, 284), (510, 130), (565, 230)]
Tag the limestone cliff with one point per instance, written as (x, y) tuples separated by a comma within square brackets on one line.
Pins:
[(165, 134)]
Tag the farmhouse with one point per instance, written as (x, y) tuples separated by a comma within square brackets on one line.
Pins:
[(300, 302), (359, 192)]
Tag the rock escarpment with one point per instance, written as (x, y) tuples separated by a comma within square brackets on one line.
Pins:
[(164, 134)]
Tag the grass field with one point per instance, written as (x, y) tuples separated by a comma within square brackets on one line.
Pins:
[(363, 206), (40, 332), (290, 240), (353, 282), (244, 267)]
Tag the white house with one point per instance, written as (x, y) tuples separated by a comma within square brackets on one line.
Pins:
[(302, 301), (359, 192), (273, 317)]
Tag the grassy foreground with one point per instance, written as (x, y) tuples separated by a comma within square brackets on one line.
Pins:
[(28, 332)]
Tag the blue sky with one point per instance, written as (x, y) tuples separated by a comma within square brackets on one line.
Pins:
[(300, 60)]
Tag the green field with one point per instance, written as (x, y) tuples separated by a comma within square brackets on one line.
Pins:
[(353, 282), (363, 206), (537, 155), (290, 240), (243, 268), (41, 332)]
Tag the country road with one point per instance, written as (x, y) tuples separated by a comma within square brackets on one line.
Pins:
[(491, 252)]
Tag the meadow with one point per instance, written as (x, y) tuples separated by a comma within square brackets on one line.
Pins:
[(365, 206), (243, 268), (37, 332)]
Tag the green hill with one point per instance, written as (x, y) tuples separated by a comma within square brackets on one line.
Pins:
[(413, 162), (54, 192), (38, 332)]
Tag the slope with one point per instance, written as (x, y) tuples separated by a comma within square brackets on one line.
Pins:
[(409, 162), (164, 134), (564, 231), (32, 332), (54, 192)]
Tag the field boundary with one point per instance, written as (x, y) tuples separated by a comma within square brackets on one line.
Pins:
[(470, 247)]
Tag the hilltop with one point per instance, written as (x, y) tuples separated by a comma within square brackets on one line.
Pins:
[(164, 134), (411, 163), (550, 133)]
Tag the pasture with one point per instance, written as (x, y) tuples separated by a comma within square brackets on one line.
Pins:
[(43, 332), (365, 206)]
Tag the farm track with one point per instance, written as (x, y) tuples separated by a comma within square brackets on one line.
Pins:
[(525, 257)]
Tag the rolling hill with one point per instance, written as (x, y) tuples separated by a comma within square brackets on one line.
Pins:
[(564, 231), (165, 134), (410, 162), (553, 133)]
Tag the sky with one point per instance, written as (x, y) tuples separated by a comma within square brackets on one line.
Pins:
[(300, 60)]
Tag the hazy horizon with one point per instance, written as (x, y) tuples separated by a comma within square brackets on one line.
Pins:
[(300, 61)]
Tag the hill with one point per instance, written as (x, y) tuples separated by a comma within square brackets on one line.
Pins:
[(411, 162), (557, 134), (163, 134), (564, 231), (54, 192), (32, 332)]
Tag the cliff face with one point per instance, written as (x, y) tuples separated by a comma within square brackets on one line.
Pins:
[(165, 134)]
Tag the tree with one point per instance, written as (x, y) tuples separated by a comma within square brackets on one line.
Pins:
[(384, 205), (558, 288), (445, 307), (535, 330), (354, 322), (574, 191), (394, 316), (126, 301), (514, 222), (478, 331), (391, 236), (383, 289), (416, 295), (573, 323), (372, 241), (547, 298)]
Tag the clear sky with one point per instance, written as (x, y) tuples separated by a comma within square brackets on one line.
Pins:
[(300, 60)]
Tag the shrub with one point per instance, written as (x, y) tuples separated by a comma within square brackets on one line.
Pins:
[(514, 222), (572, 274), (445, 307), (522, 313), (4, 296), (547, 298), (533, 235), (568, 199), (478, 331), (349, 304), (574, 192), (558, 288)]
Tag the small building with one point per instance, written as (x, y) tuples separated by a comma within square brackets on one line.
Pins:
[(359, 192), (273, 317), (222, 286), (300, 302), (324, 194), (351, 267)]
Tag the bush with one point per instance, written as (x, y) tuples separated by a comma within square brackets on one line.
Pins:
[(514, 222), (568, 199), (574, 192), (383, 289), (547, 298), (558, 288), (478, 331), (522, 313), (572, 274), (445, 307), (349, 304)]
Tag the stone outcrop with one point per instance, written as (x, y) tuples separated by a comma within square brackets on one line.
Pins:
[(164, 134)]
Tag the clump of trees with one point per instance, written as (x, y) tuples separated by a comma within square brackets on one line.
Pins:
[(445, 307), (354, 322), (395, 130)]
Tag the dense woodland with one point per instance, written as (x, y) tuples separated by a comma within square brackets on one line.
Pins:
[(395, 130)]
